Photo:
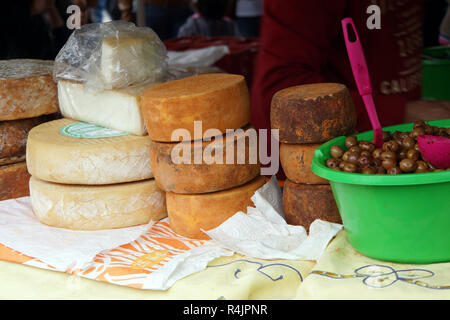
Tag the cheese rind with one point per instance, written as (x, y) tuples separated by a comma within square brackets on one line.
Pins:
[(189, 213), (303, 203), (212, 173), (55, 157), (296, 160), (118, 109), (14, 181), (219, 101), (312, 113), (27, 89), (13, 138), (97, 207)]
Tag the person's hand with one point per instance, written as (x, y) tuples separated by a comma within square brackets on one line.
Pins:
[(427, 110)]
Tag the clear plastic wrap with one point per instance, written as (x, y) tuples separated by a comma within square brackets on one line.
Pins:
[(110, 55)]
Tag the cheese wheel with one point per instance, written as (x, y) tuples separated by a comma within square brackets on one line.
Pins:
[(27, 89), (312, 113), (189, 213), (118, 109), (14, 181), (97, 207), (206, 168), (13, 138), (296, 160), (56, 154), (303, 203), (220, 101)]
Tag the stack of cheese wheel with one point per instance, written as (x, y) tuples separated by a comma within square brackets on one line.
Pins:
[(202, 153), (306, 116), (28, 97), (91, 170)]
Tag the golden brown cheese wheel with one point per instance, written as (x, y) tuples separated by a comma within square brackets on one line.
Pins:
[(13, 138), (14, 180), (312, 113), (220, 101), (27, 89), (201, 166), (81, 207), (303, 203), (296, 160), (189, 213)]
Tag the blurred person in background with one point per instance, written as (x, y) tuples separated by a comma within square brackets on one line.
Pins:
[(36, 29), (108, 10), (165, 17), (248, 17), (302, 42), (209, 20)]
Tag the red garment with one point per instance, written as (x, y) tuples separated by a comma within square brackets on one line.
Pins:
[(302, 42)]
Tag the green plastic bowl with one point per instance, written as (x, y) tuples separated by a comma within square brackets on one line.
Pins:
[(398, 218)]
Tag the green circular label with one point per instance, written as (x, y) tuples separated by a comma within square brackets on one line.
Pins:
[(89, 131)]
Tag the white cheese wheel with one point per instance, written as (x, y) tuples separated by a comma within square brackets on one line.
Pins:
[(118, 109), (56, 157), (97, 207)]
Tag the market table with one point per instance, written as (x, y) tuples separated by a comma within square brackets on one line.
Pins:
[(341, 273)]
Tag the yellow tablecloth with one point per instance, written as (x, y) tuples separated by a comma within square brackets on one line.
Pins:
[(342, 273), (236, 277)]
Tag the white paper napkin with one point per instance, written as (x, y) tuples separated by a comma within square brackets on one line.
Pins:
[(20, 230), (204, 57), (263, 232)]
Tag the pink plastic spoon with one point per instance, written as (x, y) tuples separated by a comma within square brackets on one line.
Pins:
[(436, 150), (361, 75)]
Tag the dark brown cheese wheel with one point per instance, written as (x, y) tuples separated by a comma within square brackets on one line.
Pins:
[(13, 138), (27, 89), (14, 180), (189, 213), (296, 160), (220, 101), (209, 170), (303, 203), (312, 113)]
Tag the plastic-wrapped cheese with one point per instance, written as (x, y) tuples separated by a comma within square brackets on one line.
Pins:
[(200, 167), (67, 151), (118, 109), (312, 113), (215, 101), (189, 213), (97, 207), (304, 203), (128, 60), (114, 54), (14, 181), (27, 89), (296, 160)]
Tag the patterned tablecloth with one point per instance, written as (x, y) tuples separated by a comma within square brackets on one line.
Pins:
[(342, 273)]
